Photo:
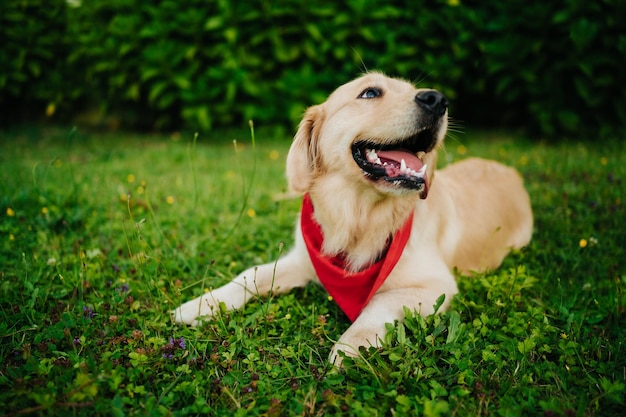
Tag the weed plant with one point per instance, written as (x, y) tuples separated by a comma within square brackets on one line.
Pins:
[(101, 235)]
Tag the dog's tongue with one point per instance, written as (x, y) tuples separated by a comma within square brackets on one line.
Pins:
[(411, 161)]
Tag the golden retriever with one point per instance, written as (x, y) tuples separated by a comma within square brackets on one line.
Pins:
[(365, 160)]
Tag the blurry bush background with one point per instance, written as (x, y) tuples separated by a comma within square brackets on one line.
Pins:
[(553, 68)]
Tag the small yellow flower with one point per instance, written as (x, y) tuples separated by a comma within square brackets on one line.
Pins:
[(50, 109), (287, 316), (58, 163), (274, 155), (461, 150), (123, 198), (11, 236), (454, 3), (44, 210), (523, 160), (10, 212), (140, 190), (170, 199), (604, 160), (330, 298), (582, 243), (251, 212), (130, 178)]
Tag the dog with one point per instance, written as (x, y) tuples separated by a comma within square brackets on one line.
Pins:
[(380, 228)]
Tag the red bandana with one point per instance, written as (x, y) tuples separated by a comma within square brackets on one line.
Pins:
[(350, 290)]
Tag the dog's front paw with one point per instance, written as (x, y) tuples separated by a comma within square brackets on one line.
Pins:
[(350, 342), (336, 358), (191, 312)]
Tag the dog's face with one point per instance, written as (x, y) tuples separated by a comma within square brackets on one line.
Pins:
[(376, 130)]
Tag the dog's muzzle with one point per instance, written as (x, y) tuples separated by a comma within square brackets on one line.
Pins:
[(400, 162)]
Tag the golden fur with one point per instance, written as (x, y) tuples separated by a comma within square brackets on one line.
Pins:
[(472, 215)]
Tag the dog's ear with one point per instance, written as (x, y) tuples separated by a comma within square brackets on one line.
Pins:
[(302, 159)]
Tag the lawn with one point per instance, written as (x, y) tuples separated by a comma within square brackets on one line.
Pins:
[(102, 234)]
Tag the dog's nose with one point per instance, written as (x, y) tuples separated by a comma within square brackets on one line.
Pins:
[(432, 101)]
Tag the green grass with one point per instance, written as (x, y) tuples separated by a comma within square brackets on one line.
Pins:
[(102, 235)]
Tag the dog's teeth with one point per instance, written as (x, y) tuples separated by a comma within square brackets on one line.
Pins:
[(378, 161), (403, 166), (372, 156), (422, 171), (421, 154)]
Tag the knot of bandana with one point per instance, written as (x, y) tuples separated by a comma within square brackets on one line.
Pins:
[(350, 290)]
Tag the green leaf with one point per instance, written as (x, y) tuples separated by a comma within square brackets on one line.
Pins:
[(214, 22), (439, 303), (403, 400), (401, 334), (615, 390), (156, 90), (436, 408), (526, 346), (453, 327), (182, 82)]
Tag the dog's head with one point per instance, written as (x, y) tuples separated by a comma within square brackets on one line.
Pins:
[(380, 131)]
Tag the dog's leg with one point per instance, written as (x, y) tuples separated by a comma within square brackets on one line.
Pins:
[(386, 307), (281, 276)]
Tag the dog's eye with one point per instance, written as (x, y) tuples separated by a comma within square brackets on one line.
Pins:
[(371, 93)]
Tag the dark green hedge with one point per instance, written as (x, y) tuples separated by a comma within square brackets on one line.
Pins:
[(33, 59), (551, 67), (556, 66)]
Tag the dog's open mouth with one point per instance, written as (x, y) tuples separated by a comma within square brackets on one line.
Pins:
[(399, 164)]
